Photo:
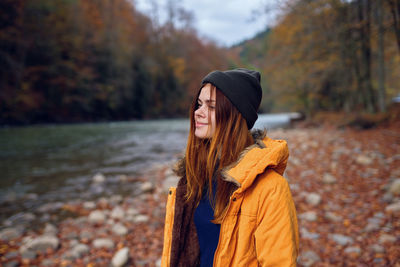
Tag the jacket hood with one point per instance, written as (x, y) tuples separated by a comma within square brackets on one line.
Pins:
[(264, 154)]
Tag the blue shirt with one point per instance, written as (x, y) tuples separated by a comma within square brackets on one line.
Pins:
[(207, 232)]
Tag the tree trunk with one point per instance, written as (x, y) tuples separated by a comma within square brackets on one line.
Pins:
[(381, 62), (395, 10)]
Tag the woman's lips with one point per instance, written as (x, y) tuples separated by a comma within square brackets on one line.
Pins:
[(199, 124)]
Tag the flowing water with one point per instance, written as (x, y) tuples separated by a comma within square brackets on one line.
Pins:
[(49, 163)]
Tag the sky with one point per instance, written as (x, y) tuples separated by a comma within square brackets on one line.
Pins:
[(226, 22)]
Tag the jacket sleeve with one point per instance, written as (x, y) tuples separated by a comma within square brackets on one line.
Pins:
[(169, 222), (276, 236)]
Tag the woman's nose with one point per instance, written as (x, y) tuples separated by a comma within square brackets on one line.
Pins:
[(200, 112)]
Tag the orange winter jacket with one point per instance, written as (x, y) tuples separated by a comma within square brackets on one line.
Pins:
[(260, 225)]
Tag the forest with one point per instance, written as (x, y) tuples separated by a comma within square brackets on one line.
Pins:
[(103, 60)]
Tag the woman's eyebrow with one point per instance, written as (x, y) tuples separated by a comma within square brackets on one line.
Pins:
[(210, 101)]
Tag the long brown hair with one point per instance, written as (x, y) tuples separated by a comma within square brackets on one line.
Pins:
[(206, 157)]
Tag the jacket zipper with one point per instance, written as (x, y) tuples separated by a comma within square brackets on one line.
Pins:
[(222, 224)]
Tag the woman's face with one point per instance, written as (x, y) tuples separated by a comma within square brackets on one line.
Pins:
[(204, 116)]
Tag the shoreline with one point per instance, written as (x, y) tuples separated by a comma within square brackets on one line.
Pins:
[(344, 184)]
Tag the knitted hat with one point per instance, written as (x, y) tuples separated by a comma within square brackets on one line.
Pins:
[(242, 87)]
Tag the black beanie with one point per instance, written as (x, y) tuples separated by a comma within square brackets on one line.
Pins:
[(242, 87)]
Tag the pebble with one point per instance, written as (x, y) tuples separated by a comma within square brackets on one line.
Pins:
[(27, 254), (120, 258), (103, 243), (89, 205), (10, 255), (98, 178), (42, 243), (308, 258), (308, 235), (97, 216), (117, 213), (50, 207), (12, 264), (158, 263), (395, 187), (146, 187), (50, 229), (313, 199), (309, 216), (341, 239), (377, 248), (385, 238), (141, 218), (331, 216), (353, 250), (363, 160), (10, 233), (328, 178), (77, 251), (393, 208), (120, 229)]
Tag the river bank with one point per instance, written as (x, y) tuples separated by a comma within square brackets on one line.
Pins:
[(345, 184)]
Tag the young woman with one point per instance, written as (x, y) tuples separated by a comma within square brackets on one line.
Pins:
[(231, 207)]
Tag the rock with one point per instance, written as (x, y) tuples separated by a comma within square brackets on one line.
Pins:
[(10, 234), (331, 216), (119, 229), (328, 178), (117, 213), (341, 239), (89, 205), (103, 243), (50, 207), (85, 234), (395, 187), (141, 218), (28, 254), (120, 258), (77, 252), (308, 235), (42, 243), (313, 199), (115, 199), (97, 216), (387, 197), (98, 178), (146, 187), (132, 212), (50, 229), (393, 208), (309, 216), (158, 263), (353, 250), (308, 258), (364, 160), (10, 255), (385, 238), (377, 248)]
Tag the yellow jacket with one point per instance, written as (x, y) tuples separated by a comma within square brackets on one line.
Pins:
[(260, 226)]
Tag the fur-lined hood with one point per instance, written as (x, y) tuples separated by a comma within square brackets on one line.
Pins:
[(264, 154)]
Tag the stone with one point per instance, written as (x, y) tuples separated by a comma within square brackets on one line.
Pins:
[(385, 238), (141, 218), (10, 255), (77, 252), (119, 229), (12, 264), (364, 160), (331, 216), (377, 248), (395, 187), (10, 234), (42, 243), (393, 208), (116, 199), (97, 216), (28, 254), (146, 187), (308, 258), (50, 207), (132, 212), (353, 250), (158, 263), (341, 239), (98, 178), (85, 234), (328, 178), (89, 205), (313, 199), (309, 216), (117, 213), (308, 235), (120, 258), (50, 229), (103, 243)]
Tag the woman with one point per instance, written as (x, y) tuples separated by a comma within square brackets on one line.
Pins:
[(231, 207)]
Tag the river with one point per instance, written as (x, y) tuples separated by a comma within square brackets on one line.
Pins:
[(50, 163)]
